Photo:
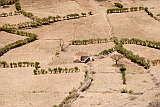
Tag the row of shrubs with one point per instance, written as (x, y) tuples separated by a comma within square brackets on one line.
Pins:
[(7, 2), (121, 10), (10, 13), (152, 44), (31, 37), (134, 58), (37, 22), (123, 69), (108, 51), (4, 64), (57, 70), (127, 91), (155, 62), (119, 5), (89, 41), (17, 5), (149, 13)]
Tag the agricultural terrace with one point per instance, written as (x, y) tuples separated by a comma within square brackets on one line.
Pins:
[(38, 40)]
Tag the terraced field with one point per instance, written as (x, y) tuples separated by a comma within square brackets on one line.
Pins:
[(55, 80)]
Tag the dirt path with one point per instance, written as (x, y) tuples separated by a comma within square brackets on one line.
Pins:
[(109, 25)]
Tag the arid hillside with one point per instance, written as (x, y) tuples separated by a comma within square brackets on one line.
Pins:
[(80, 53)]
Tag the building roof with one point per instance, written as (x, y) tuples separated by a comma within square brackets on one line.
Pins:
[(81, 53)]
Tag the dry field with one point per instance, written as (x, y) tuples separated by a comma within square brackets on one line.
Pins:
[(6, 38), (15, 19), (149, 53), (20, 88), (135, 25), (106, 87)]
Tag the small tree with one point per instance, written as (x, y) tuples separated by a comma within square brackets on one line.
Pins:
[(90, 13), (50, 70), (18, 6), (55, 70), (122, 69), (116, 57), (35, 72), (37, 65), (76, 68)]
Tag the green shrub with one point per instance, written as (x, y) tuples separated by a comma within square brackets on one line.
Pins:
[(35, 72), (37, 65), (18, 6), (119, 5), (124, 91)]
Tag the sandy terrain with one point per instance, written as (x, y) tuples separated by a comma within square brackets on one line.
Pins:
[(135, 25), (84, 28), (149, 53), (6, 38), (20, 88), (13, 19), (106, 87)]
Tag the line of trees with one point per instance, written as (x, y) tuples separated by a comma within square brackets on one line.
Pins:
[(89, 41), (31, 37), (7, 2), (123, 69), (134, 58), (4, 14), (4, 64), (121, 10), (149, 13), (151, 44), (37, 22), (117, 10), (17, 6), (155, 62), (108, 51), (57, 70)]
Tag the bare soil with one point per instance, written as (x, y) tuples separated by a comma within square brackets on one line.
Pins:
[(7, 38), (146, 52), (20, 88)]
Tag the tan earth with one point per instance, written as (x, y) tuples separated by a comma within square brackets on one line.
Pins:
[(21, 88)]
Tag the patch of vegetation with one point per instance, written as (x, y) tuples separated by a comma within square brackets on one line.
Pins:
[(127, 91), (18, 6), (123, 69), (134, 58), (31, 37), (116, 58), (4, 64), (57, 70), (119, 5), (149, 13), (117, 10), (158, 14), (106, 52), (7, 2), (89, 41)]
